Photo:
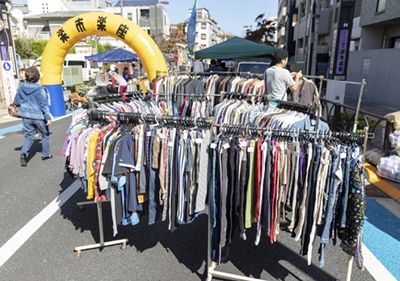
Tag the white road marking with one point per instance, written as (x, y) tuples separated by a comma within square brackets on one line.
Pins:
[(15, 242), (62, 117), (375, 267)]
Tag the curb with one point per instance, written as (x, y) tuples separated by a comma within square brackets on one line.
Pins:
[(380, 183)]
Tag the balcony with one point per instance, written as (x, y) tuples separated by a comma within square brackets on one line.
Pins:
[(281, 32), (144, 22), (322, 49), (282, 16)]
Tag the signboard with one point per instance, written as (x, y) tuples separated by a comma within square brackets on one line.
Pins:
[(342, 50), (11, 54), (333, 52), (8, 81), (84, 49)]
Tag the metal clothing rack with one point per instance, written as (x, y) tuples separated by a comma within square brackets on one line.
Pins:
[(211, 266), (124, 117), (117, 95), (102, 244)]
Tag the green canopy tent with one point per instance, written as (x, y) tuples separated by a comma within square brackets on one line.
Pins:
[(235, 47)]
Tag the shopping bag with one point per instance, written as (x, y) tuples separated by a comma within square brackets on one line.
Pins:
[(13, 110)]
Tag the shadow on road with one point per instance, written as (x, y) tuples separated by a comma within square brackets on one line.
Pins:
[(189, 244)]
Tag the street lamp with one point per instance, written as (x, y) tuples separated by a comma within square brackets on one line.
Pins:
[(155, 14), (247, 26)]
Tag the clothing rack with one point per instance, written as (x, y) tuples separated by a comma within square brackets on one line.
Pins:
[(212, 265), (102, 244), (98, 115), (118, 95), (124, 117)]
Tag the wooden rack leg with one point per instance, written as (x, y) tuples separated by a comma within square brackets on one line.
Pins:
[(102, 244)]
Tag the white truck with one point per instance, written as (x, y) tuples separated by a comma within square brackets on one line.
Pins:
[(257, 67), (89, 68)]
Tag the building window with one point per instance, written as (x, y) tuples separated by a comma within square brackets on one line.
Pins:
[(199, 15), (337, 15), (203, 37), (129, 16), (197, 34), (380, 6), (203, 26), (145, 14), (396, 43), (302, 10), (365, 66)]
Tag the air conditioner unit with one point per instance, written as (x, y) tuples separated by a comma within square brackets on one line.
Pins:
[(72, 75)]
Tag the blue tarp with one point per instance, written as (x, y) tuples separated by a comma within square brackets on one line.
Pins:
[(116, 55)]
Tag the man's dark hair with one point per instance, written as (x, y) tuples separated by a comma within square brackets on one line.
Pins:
[(213, 62), (32, 74)]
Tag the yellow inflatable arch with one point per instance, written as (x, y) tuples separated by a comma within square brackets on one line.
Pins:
[(96, 23)]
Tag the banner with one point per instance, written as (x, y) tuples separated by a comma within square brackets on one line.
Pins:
[(191, 31), (8, 81)]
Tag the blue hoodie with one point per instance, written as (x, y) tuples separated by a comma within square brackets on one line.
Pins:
[(32, 99)]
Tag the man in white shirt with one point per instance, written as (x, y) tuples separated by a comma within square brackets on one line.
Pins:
[(277, 78), (117, 80), (198, 66)]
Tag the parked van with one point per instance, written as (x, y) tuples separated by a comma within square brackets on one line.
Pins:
[(257, 67), (89, 68)]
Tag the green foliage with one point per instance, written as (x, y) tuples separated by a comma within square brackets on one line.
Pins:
[(179, 26), (72, 51), (343, 122), (100, 47), (39, 46), (23, 47), (108, 47)]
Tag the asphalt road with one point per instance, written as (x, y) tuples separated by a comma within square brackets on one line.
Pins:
[(153, 253)]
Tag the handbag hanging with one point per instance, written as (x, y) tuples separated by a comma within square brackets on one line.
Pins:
[(13, 110)]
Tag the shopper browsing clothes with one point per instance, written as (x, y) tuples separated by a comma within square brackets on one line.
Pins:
[(277, 78), (213, 66), (34, 110)]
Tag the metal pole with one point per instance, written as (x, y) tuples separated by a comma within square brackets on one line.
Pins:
[(349, 267), (95, 44), (316, 30), (100, 217), (358, 105), (310, 16), (155, 19), (121, 8)]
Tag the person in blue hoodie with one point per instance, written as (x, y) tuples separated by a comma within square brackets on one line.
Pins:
[(35, 113)]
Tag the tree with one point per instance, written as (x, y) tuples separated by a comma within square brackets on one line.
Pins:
[(179, 26), (23, 47), (226, 36), (108, 47), (167, 43), (264, 31), (100, 47)]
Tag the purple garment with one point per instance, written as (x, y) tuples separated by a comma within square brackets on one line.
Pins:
[(66, 142), (301, 163), (74, 144)]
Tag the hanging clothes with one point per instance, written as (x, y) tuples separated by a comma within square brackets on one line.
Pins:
[(259, 179)]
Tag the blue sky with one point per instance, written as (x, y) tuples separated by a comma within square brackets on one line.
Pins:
[(231, 15)]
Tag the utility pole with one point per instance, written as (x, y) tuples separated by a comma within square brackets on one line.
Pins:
[(121, 9), (155, 19)]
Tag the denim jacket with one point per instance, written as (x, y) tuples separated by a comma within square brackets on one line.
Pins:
[(32, 99)]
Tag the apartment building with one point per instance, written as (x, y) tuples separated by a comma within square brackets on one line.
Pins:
[(207, 31), (45, 16), (375, 51)]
